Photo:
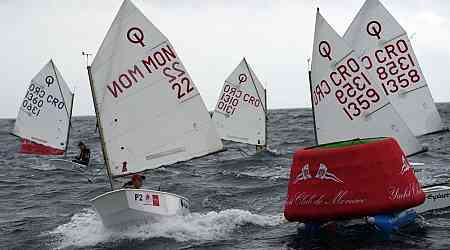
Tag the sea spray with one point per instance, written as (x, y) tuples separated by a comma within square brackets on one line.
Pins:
[(86, 229)]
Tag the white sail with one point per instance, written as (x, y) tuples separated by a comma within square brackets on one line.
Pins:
[(385, 49), (44, 114), (346, 102), (150, 111), (240, 113)]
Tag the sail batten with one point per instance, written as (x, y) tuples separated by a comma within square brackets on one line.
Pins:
[(383, 44), (346, 101), (150, 111), (240, 112), (43, 120)]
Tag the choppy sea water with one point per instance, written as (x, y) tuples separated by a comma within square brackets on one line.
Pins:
[(237, 198)]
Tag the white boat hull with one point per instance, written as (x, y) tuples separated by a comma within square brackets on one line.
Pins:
[(436, 197), (123, 207)]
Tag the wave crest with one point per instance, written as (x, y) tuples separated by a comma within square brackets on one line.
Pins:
[(86, 229)]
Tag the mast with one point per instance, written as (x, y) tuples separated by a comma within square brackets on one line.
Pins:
[(312, 101), (312, 107), (87, 65), (97, 114), (70, 125), (266, 118)]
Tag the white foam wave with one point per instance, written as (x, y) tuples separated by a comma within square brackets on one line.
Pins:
[(423, 178), (43, 167), (167, 170), (273, 151), (274, 173), (86, 229), (54, 164), (442, 176)]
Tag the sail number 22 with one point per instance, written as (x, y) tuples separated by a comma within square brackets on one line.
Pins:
[(179, 79)]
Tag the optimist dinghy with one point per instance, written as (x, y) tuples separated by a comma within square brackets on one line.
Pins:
[(340, 73), (241, 111), (149, 113), (346, 102), (387, 53), (388, 56), (347, 105), (43, 122)]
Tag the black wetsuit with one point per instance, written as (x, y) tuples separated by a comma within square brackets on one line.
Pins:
[(84, 157)]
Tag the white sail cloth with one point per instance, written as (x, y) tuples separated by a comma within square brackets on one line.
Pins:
[(383, 46), (44, 114), (240, 113), (346, 101), (150, 111)]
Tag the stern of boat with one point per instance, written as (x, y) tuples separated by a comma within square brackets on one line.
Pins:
[(137, 206)]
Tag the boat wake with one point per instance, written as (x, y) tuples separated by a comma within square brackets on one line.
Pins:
[(274, 173), (44, 167), (263, 172), (273, 152), (57, 166), (86, 229)]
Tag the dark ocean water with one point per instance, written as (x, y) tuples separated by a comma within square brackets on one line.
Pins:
[(237, 199)]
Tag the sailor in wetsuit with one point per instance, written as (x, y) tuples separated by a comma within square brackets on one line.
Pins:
[(136, 182), (85, 154)]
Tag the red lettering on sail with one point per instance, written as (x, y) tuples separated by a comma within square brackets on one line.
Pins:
[(115, 89), (351, 88), (155, 61), (394, 67), (233, 97)]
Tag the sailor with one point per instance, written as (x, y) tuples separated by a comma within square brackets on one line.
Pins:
[(136, 182), (85, 154), (260, 148)]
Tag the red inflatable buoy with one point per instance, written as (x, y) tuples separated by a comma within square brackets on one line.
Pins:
[(351, 179)]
